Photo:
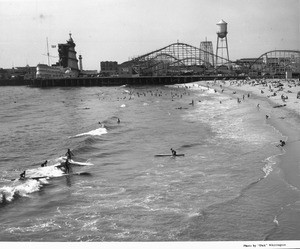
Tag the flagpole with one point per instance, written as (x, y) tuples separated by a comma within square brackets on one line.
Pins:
[(48, 52)]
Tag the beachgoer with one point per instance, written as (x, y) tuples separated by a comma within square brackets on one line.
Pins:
[(44, 163), (69, 154), (173, 152), (22, 176)]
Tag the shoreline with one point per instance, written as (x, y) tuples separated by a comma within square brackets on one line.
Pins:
[(283, 118)]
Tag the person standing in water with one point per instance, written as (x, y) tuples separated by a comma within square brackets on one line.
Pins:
[(67, 167), (69, 154)]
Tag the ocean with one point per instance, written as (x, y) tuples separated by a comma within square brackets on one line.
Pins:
[(227, 187)]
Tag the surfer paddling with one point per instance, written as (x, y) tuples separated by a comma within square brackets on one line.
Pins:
[(173, 152), (44, 163), (22, 176), (281, 143)]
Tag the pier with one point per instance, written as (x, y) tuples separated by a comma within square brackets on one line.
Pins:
[(119, 81)]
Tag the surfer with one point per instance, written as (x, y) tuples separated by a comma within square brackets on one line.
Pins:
[(44, 163), (282, 143), (173, 152), (22, 176), (119, 121), (67, 167), (69, 154)]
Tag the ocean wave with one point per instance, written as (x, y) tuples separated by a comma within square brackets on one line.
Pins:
[(9, 193), (96, 132), (267, 169)]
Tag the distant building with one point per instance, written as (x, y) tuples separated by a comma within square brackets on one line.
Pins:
[(126, 69), (250, 65), (18, 73), (108, 68), (67, 55), (88, 73), (44, 71), (66, 67)]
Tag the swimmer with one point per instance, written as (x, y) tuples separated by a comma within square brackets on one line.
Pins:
[(44, 163), (281, 143), (22, 176)]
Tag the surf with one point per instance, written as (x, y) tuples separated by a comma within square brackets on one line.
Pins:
[(97, 132)]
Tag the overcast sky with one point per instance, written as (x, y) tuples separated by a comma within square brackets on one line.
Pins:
[(119, 29)]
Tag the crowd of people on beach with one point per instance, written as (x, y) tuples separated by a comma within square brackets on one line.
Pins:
[(277, 89)]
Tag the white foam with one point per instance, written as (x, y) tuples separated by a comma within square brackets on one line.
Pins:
[(268, 166), (7, 193), (97, 132), (276, 221), (63, 159)]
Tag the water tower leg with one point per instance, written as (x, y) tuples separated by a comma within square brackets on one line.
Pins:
[(217, 51), (227, 48)]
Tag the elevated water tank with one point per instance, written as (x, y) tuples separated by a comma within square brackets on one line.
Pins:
[(222, 31)]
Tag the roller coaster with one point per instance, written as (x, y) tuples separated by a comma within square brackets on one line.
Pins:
[(174, 59), (184, 59), (277, 62)]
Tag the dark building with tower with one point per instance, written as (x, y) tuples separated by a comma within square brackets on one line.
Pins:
[(67, 55)]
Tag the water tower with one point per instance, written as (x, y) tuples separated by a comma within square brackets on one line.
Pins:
[(222, 55)]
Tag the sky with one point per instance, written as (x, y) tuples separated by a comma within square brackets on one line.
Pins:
[(117, 30)]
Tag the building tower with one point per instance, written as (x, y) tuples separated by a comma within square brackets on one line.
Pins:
[(80, 62), (206, 53), (222, 45), (67, 55)]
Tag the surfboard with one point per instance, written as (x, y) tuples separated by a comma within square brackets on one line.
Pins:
[(28, 178), (77, 163), (82, 173), (162, 155)]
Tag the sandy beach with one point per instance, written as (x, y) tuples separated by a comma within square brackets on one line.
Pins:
[(277, 99)]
